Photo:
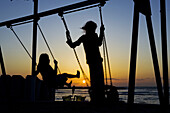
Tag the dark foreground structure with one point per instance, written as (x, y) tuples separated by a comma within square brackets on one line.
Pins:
[(15, 97), (78, 107)]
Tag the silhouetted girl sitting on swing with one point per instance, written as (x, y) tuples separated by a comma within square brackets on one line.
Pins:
[(49, 74)]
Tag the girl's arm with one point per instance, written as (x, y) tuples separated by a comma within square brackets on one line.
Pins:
[(73, 44), (36, 72), (55, 68), (101, 35), (70, 43)]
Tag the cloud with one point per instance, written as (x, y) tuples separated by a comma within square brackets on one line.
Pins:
[(112, 79), (115, 79), (137, 79), (143, 79)]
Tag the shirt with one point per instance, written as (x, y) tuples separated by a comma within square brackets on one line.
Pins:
[(91, 44)]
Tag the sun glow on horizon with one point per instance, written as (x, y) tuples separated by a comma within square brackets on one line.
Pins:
[(84, 81)]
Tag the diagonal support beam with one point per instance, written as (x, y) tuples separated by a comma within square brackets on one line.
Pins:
[(155, 59)]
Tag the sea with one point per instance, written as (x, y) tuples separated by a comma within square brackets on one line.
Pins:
[(143, 95)]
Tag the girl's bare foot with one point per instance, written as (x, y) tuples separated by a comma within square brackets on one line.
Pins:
[(78, 74)]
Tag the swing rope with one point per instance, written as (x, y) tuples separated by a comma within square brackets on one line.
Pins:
[(47, 44), (104, 55), (69, 38), (20, 41), (105, 50), (45, 41), (26, 48)]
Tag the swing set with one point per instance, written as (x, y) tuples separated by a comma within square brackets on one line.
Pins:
[(105, 51), (61, 12)]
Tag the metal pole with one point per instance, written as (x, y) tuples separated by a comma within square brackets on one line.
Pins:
[(134, 45), (34, 47), (2, 63), (164, 52), (154, 58)]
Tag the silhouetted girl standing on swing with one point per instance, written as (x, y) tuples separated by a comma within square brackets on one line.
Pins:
[(91, 43)]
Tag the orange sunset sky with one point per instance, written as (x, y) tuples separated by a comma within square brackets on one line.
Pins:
[(118, 19)]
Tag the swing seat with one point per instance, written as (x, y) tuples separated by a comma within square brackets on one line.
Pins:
[(67, 98), (79, 98), (76, 98)]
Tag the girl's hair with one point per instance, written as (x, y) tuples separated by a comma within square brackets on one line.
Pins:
[(90, 25), (44, 59)]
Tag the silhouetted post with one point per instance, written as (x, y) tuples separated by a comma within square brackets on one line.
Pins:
[(164, 51), (143, 6), (34, 47), (132, 71), (154, 58), (2, 63)]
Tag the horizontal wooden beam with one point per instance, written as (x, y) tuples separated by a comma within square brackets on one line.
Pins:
[(53, 11)]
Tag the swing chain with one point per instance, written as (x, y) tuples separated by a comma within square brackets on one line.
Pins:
[(9, 26), (65, 25), (105, 51)]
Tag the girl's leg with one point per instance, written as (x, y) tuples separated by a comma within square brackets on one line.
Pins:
[(71, 75), (62, 78), (68, 84)]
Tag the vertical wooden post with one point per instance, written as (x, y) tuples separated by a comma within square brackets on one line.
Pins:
[(2, 63), (154, 58), (134, 45), (34, 47), (164, 51)]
